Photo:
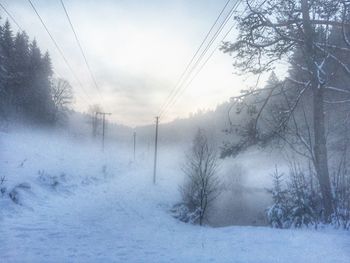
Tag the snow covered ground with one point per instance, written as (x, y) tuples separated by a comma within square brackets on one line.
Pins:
[(79, 205)]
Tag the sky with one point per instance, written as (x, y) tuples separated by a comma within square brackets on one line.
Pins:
[(137, 50)]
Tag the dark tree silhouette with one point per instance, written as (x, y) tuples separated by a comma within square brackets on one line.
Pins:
[(26, 80)]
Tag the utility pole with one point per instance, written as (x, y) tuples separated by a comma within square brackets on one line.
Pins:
[(103, 127), (155, 152), (94, 125), (134, 145)]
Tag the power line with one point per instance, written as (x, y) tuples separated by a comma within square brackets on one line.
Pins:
[(198, 71), (212, 53), (180, 92), (193, 57), (59, 49), (204, 52), (223, 23), (10, 16), (80, 47)]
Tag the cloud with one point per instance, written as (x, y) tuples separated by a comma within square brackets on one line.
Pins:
[(136, 49)]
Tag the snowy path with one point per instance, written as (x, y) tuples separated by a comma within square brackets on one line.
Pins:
[(109, 222)]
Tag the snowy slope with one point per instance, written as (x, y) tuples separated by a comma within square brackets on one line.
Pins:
[(105, 209)]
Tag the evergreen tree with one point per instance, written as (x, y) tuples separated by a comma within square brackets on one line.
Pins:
[(25, 78), (20, 61), (39, 103), (2, 78), (7, 47), (7, 40), (278, 213), (303, 200)]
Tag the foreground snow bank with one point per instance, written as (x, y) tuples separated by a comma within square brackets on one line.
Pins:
[(84, 206)]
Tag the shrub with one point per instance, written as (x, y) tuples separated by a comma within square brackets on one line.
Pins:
[(201, 186)]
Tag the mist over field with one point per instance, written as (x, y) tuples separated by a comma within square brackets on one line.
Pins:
[(174, 131)]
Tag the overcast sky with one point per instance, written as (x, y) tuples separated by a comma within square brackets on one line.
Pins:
[(137, 50)]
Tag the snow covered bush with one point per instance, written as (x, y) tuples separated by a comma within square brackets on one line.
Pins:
[(278, 213), (2, 186), (295, 203), (341, 186), (17, 191), (202, 185), (305, 203), (51, 181), (298, 202), (182, 212), (341, 218)]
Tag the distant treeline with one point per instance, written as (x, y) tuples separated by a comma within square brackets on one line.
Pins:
[(26, 86)]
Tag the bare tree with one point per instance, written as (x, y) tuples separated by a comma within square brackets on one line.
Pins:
[(202, 186), (270, 32), (62, 96)]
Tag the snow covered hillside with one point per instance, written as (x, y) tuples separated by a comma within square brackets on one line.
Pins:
[(75, 204)]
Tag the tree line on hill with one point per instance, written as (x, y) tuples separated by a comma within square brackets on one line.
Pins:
[(28, 90)]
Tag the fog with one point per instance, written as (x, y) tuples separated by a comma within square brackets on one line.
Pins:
[(246, 178), (174, 131)]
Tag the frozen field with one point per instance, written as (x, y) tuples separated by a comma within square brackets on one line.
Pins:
[(77, 205)]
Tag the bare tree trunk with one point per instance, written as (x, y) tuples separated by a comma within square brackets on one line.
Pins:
[(320, 150), (320, 146)]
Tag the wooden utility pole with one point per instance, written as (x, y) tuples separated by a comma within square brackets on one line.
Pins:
[(155, 152), (134, 145), (94, 124), (103, 126)]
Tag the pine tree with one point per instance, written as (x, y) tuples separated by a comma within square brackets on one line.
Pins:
[(25, 78), (2, 77), (7, 40), (302, 199), (278, 213), (20, 61), (39, 106), (7, 47), (46, 80)]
